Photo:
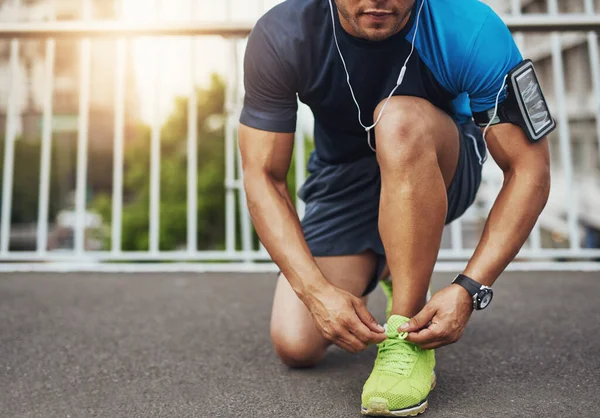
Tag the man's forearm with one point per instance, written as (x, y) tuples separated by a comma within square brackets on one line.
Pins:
[(276, 222), (511, 220)]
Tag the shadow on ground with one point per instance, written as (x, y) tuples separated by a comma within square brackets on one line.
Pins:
[(183, 345)]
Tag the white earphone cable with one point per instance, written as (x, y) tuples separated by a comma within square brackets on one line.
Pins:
[(496, 107), (492, 120), (398, 83), (344, 63)]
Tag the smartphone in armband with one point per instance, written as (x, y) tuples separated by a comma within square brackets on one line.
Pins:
[(525, 105)]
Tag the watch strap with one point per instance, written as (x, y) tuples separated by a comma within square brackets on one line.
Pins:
[(469, 284)]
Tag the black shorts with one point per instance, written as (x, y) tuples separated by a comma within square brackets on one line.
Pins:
[(342, 200)]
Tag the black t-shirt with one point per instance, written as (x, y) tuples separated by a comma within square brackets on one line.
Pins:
[(463, 51)]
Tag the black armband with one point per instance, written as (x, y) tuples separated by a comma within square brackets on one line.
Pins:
[(524, 106)]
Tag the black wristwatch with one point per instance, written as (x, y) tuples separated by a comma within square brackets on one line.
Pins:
[(482, 295)]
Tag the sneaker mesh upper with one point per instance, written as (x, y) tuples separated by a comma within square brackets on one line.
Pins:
[(403, 372)]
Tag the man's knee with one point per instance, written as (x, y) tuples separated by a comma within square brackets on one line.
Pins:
[(404, 134), (295, 351)]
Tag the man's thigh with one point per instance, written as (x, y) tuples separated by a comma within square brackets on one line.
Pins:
[(351, 273), (460, 149)]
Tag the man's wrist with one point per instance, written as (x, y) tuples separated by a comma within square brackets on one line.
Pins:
[(482, 277), (308, 289), (464, 293), (481, 295)]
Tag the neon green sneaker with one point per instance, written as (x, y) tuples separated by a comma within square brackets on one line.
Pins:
[(402, 376), (386, 286)]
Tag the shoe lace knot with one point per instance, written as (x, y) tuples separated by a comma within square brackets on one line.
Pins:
[(396, 355)]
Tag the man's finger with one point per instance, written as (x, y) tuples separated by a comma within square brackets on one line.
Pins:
[(366, 317), (344, 346), (419, 321), (432, 346), (352, 341), (335, 337), (365, 334), (377, 338), (423, 337)]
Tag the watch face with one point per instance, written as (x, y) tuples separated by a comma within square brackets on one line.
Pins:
[(485, 300)]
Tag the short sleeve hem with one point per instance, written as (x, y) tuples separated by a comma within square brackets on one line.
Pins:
[(254, 120)]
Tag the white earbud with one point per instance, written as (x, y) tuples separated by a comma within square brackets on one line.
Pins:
[(398, 83)]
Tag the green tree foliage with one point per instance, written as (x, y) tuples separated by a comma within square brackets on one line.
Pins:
[(26, 180), (173, 177)]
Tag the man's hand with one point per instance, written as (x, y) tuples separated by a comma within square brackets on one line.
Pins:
[(443, 320), (343, 319)]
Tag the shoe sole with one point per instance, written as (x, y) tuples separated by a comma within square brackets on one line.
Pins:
[(380, 408)]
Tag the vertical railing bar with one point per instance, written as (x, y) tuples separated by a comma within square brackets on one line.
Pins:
[(230, 184), (230, 198), (243, 208), (262, 249), (536, 237), (119, 142), (261, 9), (82, 137), (45, 163), (230, 227), (456, 229), (516, 10), (192, 205), (300, 157), (192, 150), (595, 70), (155, 150), (564, 134), (155, 180), (9, 145)]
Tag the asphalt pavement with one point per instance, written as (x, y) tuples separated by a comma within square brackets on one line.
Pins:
[(197, 345)]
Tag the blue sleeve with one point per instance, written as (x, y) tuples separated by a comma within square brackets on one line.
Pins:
[(493, 54), (270, 102)]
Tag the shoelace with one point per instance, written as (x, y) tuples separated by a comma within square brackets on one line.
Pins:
[(396, 355)]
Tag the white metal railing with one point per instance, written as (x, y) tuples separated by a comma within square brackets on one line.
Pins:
[(523, 23), (244, 250)]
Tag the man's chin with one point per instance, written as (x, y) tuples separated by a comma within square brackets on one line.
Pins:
[(376, 35)]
